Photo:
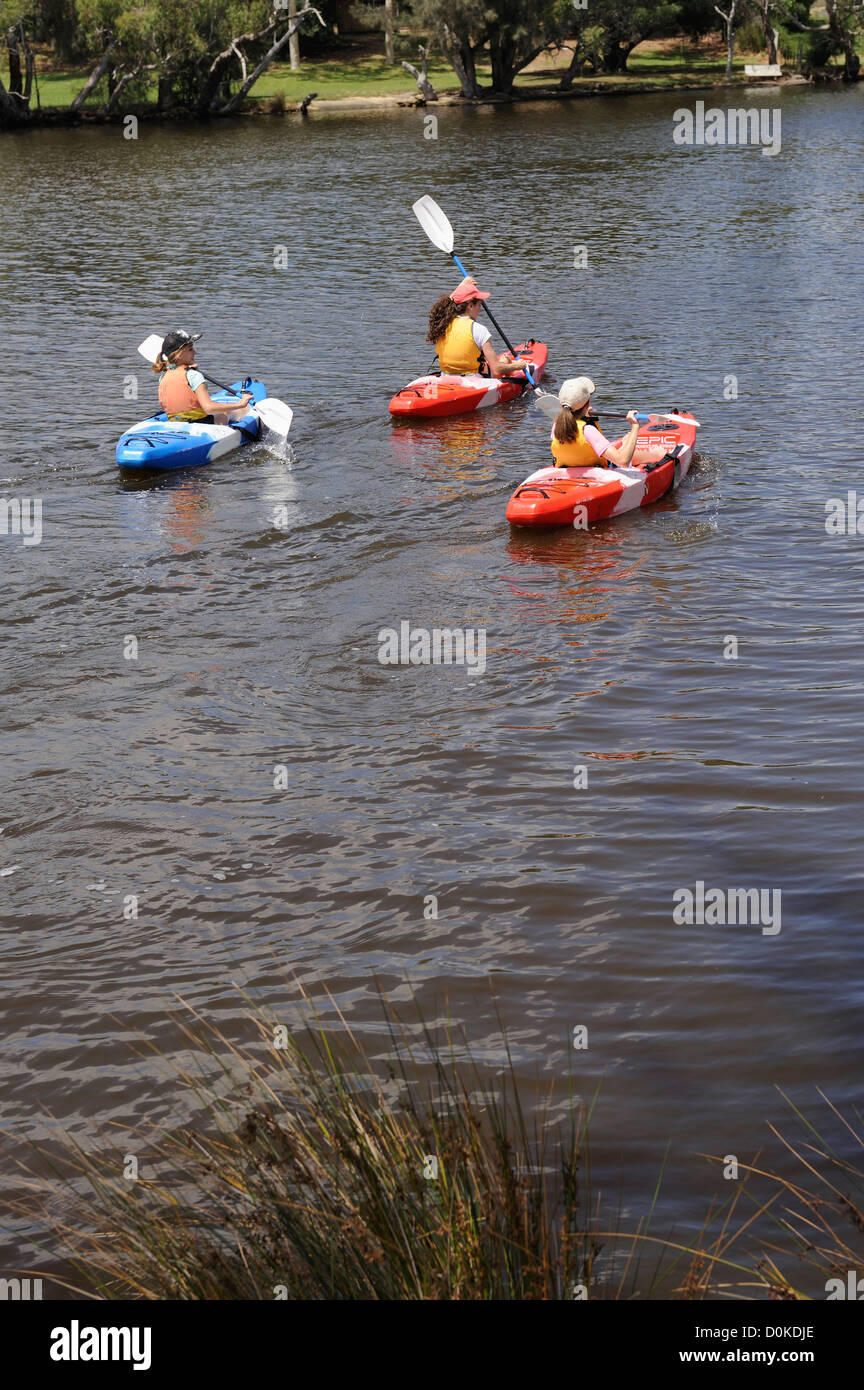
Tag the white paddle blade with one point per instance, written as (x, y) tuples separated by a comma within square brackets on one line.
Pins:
[(434, 223), (151, 347), (678, 419), (275, 414), (547, 403)]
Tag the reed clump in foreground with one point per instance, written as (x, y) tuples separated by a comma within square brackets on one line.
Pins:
[(314, 1178)]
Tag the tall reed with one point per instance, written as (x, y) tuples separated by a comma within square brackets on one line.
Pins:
[(313, 1176)]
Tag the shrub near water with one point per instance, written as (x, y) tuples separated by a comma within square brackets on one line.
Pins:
[(319, 1186), (324, 1182)]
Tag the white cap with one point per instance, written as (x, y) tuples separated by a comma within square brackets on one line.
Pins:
[(576, 391)]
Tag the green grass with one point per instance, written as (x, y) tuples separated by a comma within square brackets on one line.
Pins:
[(55, 88), (369, 76)]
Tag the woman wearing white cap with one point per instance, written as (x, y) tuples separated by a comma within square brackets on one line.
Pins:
[(576, 443), (464, 345)]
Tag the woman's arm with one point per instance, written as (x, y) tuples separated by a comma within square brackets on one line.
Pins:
[(202, 396), (622, 455), (505, 365)]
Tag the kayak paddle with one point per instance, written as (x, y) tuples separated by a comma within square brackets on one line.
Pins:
[(550, 405), (273, 413), (436, 225)]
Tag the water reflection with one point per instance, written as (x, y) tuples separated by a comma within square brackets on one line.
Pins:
[(453, 450)]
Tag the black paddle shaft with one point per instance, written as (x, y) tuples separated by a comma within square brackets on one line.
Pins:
[(220, 384), (489, 313)]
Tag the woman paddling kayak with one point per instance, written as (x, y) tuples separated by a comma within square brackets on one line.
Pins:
[(183, 393), (463, 345), (576, 442)]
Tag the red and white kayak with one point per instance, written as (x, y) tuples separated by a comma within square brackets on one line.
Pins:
[(578, 497), (453, 395)]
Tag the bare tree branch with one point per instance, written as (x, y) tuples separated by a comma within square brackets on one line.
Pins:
[(420, 75), (98, 72), (792, 19), (268, 59), (242, 56), (213, 81), (125, 79)]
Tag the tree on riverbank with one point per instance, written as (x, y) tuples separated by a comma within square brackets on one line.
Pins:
[(766, 9), (15, 99), (202, 56), (515, 32), (845, 25), (460, 27), (728, 17), (625, 25)]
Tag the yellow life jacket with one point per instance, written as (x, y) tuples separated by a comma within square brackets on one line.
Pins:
[(578, 453), (457, 351)]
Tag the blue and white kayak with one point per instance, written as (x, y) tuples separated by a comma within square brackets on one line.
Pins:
[(163, 443)]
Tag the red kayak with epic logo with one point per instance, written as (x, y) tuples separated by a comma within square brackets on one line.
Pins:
[(579, 497), (434, 395)]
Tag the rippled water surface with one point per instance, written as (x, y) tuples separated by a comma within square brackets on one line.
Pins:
[(257, 643)]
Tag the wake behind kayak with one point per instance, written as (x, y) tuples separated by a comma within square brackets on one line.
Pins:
[(160, 443)]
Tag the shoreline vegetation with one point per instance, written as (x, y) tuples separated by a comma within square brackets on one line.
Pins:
[(356, 76), (310, 1173)]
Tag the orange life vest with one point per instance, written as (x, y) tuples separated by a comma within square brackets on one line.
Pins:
[(457, 351), (176, 396), (577, 453)]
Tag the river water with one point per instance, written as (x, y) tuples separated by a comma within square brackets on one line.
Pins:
[(717, 279)]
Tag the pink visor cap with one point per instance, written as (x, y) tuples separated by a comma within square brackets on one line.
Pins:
[(468, 290)]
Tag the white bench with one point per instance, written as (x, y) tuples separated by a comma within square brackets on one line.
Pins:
[(762, 70)]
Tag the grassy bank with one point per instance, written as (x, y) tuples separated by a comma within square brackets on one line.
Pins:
[(653, 63), (360, 72)]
